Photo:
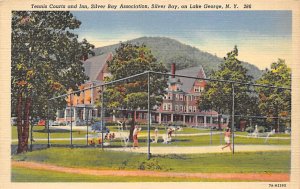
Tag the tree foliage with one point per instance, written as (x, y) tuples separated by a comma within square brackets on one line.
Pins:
[(132, 94), (45, 63), (218, 95), (275, 102)]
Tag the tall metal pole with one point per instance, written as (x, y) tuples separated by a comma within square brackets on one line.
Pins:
[(102, 115), (71, 131), (86, 119), (149, 117), (210, 135), (47, 124), (232, 119), (87, 125)]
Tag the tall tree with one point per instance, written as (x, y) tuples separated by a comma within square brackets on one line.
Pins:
[(275, 102), (218, 95), (45, 63), (132, 94)]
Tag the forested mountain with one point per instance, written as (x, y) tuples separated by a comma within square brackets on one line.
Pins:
[(170, 51)]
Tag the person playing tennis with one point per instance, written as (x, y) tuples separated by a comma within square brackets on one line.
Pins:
[(227, 136)]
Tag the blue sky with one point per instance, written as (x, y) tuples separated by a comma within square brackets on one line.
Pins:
[(261, 36)]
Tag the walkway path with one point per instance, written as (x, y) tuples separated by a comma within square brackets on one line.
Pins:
[(204, 149), (274, 177)]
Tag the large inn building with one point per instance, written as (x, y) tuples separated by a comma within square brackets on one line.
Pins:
[(179, 104)]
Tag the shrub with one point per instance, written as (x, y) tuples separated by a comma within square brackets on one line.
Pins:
[(261, 129), (149, 165), (111, 123), (249, 129), (177, 123)]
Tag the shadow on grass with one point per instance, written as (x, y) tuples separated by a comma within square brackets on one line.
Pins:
[(37, 147), (53, 131)]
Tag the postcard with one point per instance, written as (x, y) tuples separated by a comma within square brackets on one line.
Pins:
[(149, 94)]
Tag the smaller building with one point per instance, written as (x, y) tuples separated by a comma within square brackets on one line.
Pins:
[(82, 107)]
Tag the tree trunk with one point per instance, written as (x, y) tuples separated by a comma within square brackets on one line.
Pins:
[(19, 122), (132, 126), (277, 120), (23, 128), (277, 123), (26, 124)]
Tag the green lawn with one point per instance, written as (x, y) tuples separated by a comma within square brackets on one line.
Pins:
[(274, 135), (217, 139), (178, 141), (163, 129), (242, 162), (41, 132), (30, 175)]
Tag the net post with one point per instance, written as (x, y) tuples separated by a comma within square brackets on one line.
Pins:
[(102, 115), (149, 118), (71, 113), (47, 124), (232, 122)]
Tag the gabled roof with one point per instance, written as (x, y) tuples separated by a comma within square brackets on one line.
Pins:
[(188, 83), (94, 65)]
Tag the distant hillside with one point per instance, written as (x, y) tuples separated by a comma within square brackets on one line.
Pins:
[(169, 51)]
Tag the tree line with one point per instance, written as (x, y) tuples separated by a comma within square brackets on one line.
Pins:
[(250, 100)]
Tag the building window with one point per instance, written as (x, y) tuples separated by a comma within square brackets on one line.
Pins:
[(61, 113), (141, 116), (190, 108), (215, 120), (169, 107), (181, 108), (94, 113), (194, 108), (200, 119), (176, 107), (164, 107), (224, 120), (207, 119), (70, 112), (181, 97), (177, 96)]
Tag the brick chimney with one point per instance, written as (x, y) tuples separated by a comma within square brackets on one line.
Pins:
[(173, 70)]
